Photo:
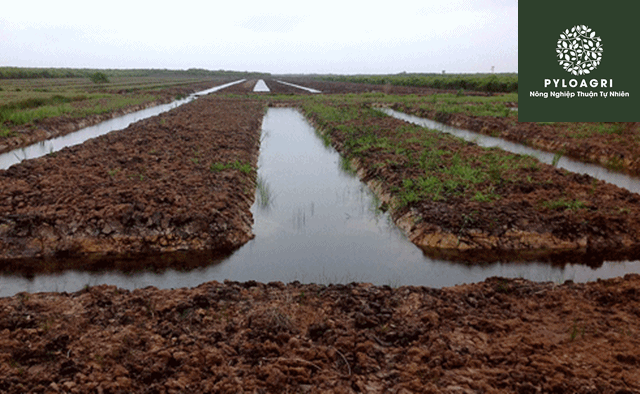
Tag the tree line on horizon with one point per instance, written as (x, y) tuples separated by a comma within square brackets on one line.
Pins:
[(32, 73)]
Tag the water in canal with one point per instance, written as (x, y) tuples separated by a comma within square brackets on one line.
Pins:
[(261, 86), (55, 144), (314, 222), (619, 179)]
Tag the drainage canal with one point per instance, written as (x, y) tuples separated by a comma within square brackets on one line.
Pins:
[(300, 87), (55, 144), (621, 180), (315, 222), (261, 86)]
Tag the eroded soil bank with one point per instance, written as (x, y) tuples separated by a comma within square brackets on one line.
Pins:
[(47, 128), (492, 337), (616, 147), (183, 180)]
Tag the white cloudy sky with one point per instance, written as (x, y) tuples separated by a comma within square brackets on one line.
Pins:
[(339, 37)]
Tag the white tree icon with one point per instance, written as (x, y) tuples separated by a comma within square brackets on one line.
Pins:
[(579, 50)]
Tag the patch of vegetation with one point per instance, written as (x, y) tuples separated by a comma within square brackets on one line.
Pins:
[(576, 330), (563, 204), (615, 163), (236, 165), (52, 73), (264, 195), (454, 103), (476, 82), (99, 77), (442, 172), (556, 158), (5, 132)]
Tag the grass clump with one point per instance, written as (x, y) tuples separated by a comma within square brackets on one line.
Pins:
[(563, 204)]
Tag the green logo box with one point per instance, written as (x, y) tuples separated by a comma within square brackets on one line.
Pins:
[(578, 61)]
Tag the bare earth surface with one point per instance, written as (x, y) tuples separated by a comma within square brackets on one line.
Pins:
[(147, 188), (498, 336)]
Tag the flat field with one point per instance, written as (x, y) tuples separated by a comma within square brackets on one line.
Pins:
[(185, 181), (33, 110)]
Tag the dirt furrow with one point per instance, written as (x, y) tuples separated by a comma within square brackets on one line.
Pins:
[(183, 180), (497, 336)]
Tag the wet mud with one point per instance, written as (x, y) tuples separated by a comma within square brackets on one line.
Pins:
[(497, 336), (48, 128), (180, 181)]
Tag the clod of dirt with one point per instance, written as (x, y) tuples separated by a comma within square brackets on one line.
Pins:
[(501, 335)]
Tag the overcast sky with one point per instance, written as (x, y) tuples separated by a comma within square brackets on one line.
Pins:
[(272, 36)]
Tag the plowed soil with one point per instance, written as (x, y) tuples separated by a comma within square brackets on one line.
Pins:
[(618, 151), (499, 336), (148, 188), (45, 129)]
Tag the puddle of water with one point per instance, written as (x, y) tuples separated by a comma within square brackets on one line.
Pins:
[(261, 86), (300, 87), (621, 180), (316, 223), (55, 144)]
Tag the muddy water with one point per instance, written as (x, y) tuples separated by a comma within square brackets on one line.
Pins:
[(300, 87), (314, 222), (621, 180), (261, 86), (55, 144)]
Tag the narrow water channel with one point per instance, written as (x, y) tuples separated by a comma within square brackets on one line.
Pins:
[(621, 180), (314, 222), (55, 144), (300, 87), (261, 86)]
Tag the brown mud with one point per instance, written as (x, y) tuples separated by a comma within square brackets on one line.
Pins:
[(146, 189), (58, 126), (497, 336), (519, 225), (618, 151)]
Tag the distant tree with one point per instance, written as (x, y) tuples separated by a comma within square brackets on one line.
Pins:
[(99, 77)]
